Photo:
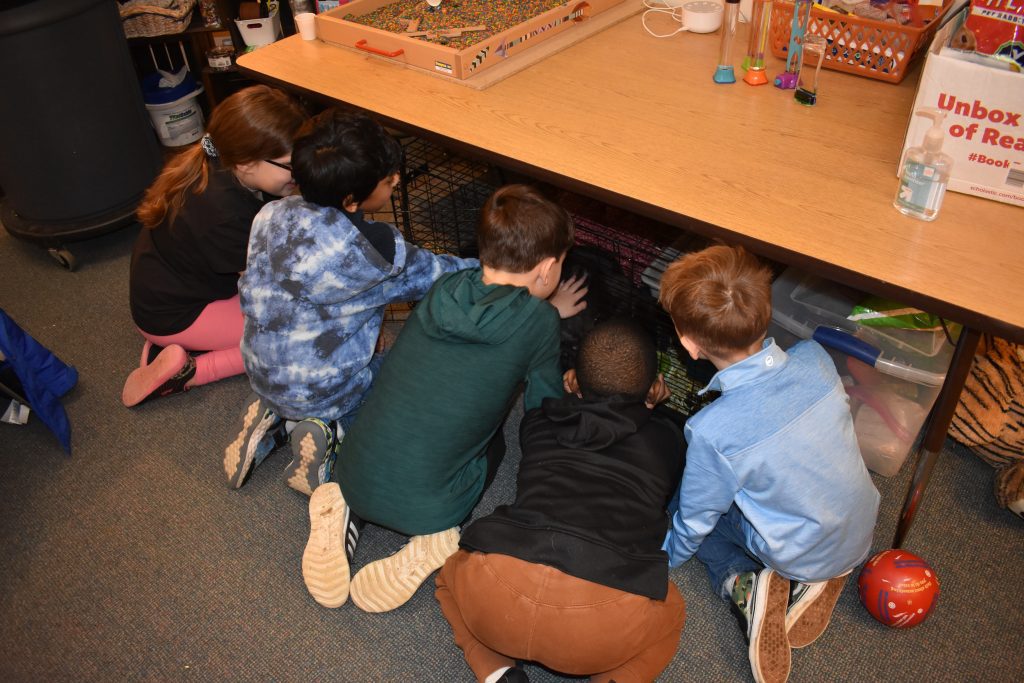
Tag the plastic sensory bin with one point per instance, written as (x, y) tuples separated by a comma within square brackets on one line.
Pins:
[(891, 376)]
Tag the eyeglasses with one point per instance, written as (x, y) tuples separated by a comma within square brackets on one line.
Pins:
[(287, 167)]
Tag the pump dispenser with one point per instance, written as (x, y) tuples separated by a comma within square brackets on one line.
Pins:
[(925, 172)]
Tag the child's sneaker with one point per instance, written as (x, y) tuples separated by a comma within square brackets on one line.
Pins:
[(515, 674), (314, 450), (810, 609), (759, 601), (387, 584), (333, 533), (260, 431), (168, 373)]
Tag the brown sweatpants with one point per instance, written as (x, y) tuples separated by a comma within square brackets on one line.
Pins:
[(502, 608)]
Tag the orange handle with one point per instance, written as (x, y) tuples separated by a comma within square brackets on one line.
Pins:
[(361, 44)]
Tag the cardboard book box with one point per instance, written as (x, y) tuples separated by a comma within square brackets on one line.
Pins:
[(445, 59), (984, 124)]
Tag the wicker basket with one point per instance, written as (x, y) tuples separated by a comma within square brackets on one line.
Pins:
[(865, 47), (147, 18)]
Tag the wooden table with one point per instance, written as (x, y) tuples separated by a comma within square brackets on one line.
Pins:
[(637, 122)]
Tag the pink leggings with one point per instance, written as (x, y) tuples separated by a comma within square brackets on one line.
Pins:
[(218, 331)]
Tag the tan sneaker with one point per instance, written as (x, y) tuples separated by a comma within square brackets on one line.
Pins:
[(810, 609), (325, 567), (260, 431), (386, 584)]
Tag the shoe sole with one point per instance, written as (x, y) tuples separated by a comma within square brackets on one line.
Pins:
[(143, 381), (387, 584), (236, 463), (302, 471), (806, 624), (770, 656), (325, 567)]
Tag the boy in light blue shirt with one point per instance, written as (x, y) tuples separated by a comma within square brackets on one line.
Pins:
[(775, 499)]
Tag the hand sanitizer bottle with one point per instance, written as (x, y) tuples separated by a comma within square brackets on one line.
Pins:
[(925, 172)]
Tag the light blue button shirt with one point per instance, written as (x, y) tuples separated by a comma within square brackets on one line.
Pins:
[(779, 442)]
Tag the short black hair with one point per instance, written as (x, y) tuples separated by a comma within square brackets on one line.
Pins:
[(616, 358), (342, 155)]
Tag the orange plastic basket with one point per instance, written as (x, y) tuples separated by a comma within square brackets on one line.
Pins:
[(865, 47)]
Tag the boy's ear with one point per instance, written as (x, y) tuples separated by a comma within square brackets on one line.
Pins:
[(350, 204), (691, 346), (544, 268)]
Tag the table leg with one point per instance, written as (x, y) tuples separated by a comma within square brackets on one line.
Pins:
[(936, 427)]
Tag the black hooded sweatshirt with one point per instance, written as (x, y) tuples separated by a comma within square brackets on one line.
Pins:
[(592, 490)]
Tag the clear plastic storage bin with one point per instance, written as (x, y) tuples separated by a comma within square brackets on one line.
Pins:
[(890, 396)]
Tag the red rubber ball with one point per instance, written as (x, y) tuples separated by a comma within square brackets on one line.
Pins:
[(898, 588)]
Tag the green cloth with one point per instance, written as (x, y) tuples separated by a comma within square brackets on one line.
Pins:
[(414, 459)]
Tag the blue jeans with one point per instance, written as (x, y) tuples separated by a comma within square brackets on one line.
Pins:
[(348, 419), (724, 551)]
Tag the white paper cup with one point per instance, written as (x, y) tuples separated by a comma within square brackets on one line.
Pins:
[(306, 23)]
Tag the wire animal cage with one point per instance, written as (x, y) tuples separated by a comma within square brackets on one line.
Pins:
[(438, 205)]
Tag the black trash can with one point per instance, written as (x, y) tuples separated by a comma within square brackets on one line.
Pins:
[(77, 150)]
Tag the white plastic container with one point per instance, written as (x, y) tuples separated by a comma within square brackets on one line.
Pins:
[(889, 401), (258, 32), (179, 122)]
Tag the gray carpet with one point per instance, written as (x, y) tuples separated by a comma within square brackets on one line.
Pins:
[(132, 561)]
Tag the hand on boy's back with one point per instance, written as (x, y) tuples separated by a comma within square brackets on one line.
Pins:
[(570, 384), (659, 392), (568, 298)]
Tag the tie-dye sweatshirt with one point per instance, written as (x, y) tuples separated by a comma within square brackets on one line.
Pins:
[(313, 295)]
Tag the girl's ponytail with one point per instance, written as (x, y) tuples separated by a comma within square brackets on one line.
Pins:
[(189, 170)]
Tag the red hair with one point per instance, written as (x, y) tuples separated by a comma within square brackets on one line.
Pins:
[(720, 297), (252, 124)]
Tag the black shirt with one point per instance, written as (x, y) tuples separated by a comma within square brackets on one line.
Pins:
[(178, 268), (591, 495)]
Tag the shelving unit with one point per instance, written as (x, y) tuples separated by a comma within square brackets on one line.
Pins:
[(189, 47)]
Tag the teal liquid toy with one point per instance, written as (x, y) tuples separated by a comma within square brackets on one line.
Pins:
[(724, 72)]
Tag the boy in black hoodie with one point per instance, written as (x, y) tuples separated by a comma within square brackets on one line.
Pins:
[(572, 575)]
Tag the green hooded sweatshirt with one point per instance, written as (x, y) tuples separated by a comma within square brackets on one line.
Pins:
[(414, 459)]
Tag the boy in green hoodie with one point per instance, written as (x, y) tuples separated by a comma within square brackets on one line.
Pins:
[(428, 439)]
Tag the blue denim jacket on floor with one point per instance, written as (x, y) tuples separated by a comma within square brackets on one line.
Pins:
[(779, 442)]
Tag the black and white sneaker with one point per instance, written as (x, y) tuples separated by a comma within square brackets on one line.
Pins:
[(514, 674), (333, 535), (759, 602)]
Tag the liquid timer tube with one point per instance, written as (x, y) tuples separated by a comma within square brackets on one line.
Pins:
[(759, 24), (801, 19), (724, 72), (811, 57)]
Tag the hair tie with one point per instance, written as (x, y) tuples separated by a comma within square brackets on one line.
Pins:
[(207, 144)]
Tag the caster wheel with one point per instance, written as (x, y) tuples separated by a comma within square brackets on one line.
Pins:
[(64, 257)]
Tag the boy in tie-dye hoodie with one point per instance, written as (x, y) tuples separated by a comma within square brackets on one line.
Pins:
[(317, 279)]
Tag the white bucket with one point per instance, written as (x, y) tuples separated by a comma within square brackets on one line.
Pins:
[(179, 122)]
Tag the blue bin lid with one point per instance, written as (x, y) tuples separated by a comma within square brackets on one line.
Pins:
[(152, 93)]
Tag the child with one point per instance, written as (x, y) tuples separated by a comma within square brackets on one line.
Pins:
[(196, 219), (572, 575), (316, 283), (775, 499), (428, 440)]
